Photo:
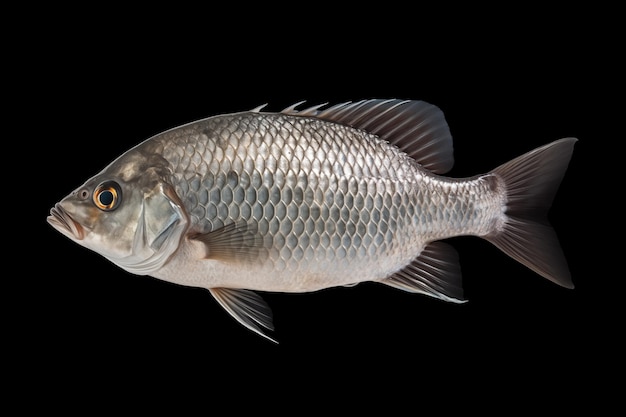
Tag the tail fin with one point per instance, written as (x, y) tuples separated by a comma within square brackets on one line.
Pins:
[(531, 181)]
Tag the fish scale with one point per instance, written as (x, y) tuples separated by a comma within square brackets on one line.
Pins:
[(303, 200), (322, 224)]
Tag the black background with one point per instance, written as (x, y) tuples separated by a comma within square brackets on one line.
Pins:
[(505, 88)]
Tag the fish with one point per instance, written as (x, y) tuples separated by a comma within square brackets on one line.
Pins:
[(301, 200)]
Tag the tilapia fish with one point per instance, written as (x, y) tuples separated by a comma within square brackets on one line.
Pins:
[(301, 200)]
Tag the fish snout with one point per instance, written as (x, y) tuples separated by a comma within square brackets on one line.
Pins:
[(60, 219)]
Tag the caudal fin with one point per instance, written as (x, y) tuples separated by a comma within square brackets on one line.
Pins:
[(531, 181)]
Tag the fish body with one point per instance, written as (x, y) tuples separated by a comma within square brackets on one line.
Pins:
[(298, 201)]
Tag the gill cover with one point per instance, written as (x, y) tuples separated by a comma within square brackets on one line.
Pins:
[(160, 226)]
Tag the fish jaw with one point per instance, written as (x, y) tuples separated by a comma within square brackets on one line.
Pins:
[(61, 220)]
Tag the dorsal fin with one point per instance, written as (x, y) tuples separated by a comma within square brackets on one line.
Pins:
[(416, 127)]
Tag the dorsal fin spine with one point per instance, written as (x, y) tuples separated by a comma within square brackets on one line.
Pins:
[(324, 113)]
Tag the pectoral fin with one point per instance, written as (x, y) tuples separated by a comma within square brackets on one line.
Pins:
[(247, 307), (435, 272), (234, 242)]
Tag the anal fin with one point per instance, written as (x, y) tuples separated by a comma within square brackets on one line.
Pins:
[(435, 272), (247, 307)]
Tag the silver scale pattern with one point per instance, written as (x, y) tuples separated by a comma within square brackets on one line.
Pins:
[(322, 194)]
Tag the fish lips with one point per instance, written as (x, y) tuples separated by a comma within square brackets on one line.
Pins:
[(60, 219)]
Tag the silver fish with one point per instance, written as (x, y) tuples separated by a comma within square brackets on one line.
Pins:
[(301, 200)]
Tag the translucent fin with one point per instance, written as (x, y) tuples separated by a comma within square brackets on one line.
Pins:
[(235, 242), (435, 272), (531, 182), (247, 307), (416, 127)]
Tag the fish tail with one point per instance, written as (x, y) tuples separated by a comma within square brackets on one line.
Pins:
[(531, 181)]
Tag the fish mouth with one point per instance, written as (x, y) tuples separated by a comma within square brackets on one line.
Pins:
[(63, 222)]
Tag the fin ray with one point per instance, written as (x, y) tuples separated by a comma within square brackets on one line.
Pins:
[(531, 181), (435, 272), (238, 241), (258, 109), (247, 307)]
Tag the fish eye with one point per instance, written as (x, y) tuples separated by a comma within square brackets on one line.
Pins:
[(107, 196)]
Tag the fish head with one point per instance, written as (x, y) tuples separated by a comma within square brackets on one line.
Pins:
[(127, 213)]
